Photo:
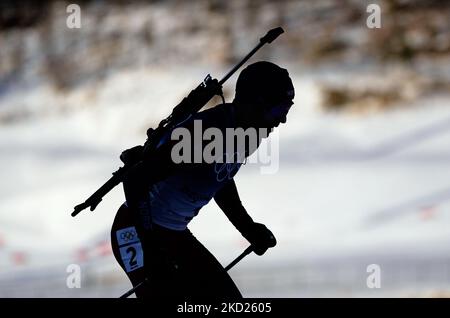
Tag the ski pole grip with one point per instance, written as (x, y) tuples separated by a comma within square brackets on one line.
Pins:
[(271, 35)]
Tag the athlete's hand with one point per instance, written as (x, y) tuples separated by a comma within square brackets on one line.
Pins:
[(260, 237)]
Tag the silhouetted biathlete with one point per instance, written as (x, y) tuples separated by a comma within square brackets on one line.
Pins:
[(150, 237)]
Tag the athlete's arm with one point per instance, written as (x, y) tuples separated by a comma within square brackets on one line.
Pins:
[(259, 236), (227, 198)]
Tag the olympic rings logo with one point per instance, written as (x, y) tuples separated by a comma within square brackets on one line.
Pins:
[(225, 170), (128, 235)]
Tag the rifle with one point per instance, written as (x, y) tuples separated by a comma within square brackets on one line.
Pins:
[(190, 105)]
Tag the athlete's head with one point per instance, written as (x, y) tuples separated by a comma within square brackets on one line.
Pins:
[(264, 94)]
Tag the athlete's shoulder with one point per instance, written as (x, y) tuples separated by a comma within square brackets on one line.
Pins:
[(219, 116)]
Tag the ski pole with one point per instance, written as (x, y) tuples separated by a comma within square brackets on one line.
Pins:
[(132, 290), (247, 251)]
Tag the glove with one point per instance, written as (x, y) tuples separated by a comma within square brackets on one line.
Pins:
[(260, 237)]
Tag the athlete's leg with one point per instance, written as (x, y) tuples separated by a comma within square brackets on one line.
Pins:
[(200, 274), (127, 248)]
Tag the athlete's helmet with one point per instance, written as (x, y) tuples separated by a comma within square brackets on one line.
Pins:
[(264, 81)]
